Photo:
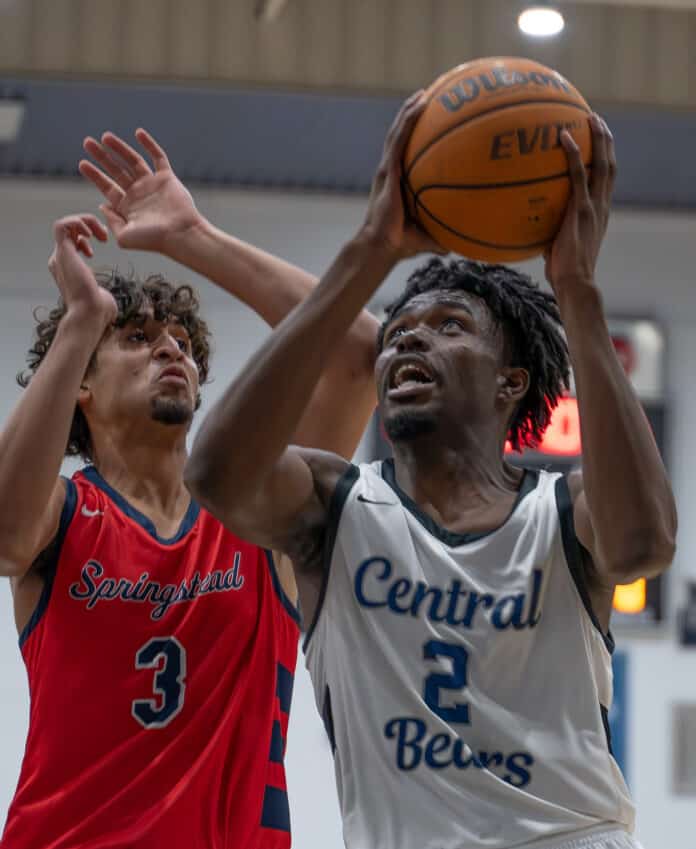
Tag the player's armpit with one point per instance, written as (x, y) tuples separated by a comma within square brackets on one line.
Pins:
[(18, 555)]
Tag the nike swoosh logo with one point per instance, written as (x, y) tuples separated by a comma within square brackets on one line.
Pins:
[(91, 513), (362, 498)]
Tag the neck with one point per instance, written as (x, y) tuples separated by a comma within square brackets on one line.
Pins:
[(452, 479), (145, 468)]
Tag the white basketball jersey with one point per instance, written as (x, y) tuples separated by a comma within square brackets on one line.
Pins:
[(463, 679)]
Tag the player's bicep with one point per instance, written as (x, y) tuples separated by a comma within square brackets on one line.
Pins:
[(287, 504), (17, 560)]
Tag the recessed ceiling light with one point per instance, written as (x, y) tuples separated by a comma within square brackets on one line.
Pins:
[(541, 21)]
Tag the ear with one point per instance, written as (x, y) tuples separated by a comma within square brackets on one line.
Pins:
[(513, 384)]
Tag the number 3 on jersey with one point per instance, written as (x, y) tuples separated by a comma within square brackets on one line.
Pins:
[(436, 681), (168, 657)]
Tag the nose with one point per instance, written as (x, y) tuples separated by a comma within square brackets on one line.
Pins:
[(411, 340), (166, 347)]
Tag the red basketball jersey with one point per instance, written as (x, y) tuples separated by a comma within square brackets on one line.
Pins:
[(160, 675)]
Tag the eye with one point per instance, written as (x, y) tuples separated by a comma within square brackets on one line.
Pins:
[(183, 344), (395, 333), (137, 336), (452, 325)]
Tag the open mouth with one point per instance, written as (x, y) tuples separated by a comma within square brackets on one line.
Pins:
[(409, 379)]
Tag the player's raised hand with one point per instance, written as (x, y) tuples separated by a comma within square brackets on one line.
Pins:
[(573, 256), (82, 295), (387, 221), (146, 206)]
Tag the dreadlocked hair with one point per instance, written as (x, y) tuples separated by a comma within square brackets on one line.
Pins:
[(531, 325), (133, 297)]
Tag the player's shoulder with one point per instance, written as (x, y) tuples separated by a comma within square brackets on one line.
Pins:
[(328, 470)]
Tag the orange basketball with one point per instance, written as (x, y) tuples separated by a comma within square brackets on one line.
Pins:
[(485, 171)]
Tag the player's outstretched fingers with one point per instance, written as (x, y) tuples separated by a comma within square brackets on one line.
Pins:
[(109, 163), (111, 191), (124, 151), (156, 151)]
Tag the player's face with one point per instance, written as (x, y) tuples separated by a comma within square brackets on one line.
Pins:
[(440, 364), (144, 369)]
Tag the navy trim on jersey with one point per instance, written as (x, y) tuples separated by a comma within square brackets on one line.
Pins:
[(276, 810), (574, 555), (327, 716), (292, 609), (345, 483), (189, 520), (47, 561), (285, 681), (528, 483), (277, 744), (607, 729)]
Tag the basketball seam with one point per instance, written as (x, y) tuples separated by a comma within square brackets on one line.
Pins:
[(480, 241), (475, 186), (470, 118)]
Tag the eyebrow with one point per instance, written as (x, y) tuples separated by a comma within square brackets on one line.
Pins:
[(141, 318), (445, 301)]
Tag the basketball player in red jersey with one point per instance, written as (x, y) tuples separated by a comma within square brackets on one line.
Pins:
[(160, 648)]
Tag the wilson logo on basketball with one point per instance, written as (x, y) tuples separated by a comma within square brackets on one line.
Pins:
[(526, 140), (470, 88)]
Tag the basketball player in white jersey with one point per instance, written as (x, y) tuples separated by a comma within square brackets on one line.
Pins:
[(459, 643)]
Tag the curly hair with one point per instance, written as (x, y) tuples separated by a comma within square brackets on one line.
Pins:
[(531, 325), (132, 297)]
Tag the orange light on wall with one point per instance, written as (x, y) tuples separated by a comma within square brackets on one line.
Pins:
[(630, 598)]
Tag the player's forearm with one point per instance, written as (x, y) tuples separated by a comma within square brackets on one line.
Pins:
[(34, 439), (273, 287), (626, 486), (246, 432), (267, 284)]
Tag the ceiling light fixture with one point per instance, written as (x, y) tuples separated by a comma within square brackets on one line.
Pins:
[(541, 21)]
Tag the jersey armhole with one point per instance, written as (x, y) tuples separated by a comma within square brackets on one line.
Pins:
[(345, 483), (293, 610), (48, 560), (575, 555)]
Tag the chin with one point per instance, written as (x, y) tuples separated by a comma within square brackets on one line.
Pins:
[(405, 425), (171, 411)]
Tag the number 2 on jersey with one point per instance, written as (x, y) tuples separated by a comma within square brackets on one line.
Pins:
[(168, 657), (437, 681)]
